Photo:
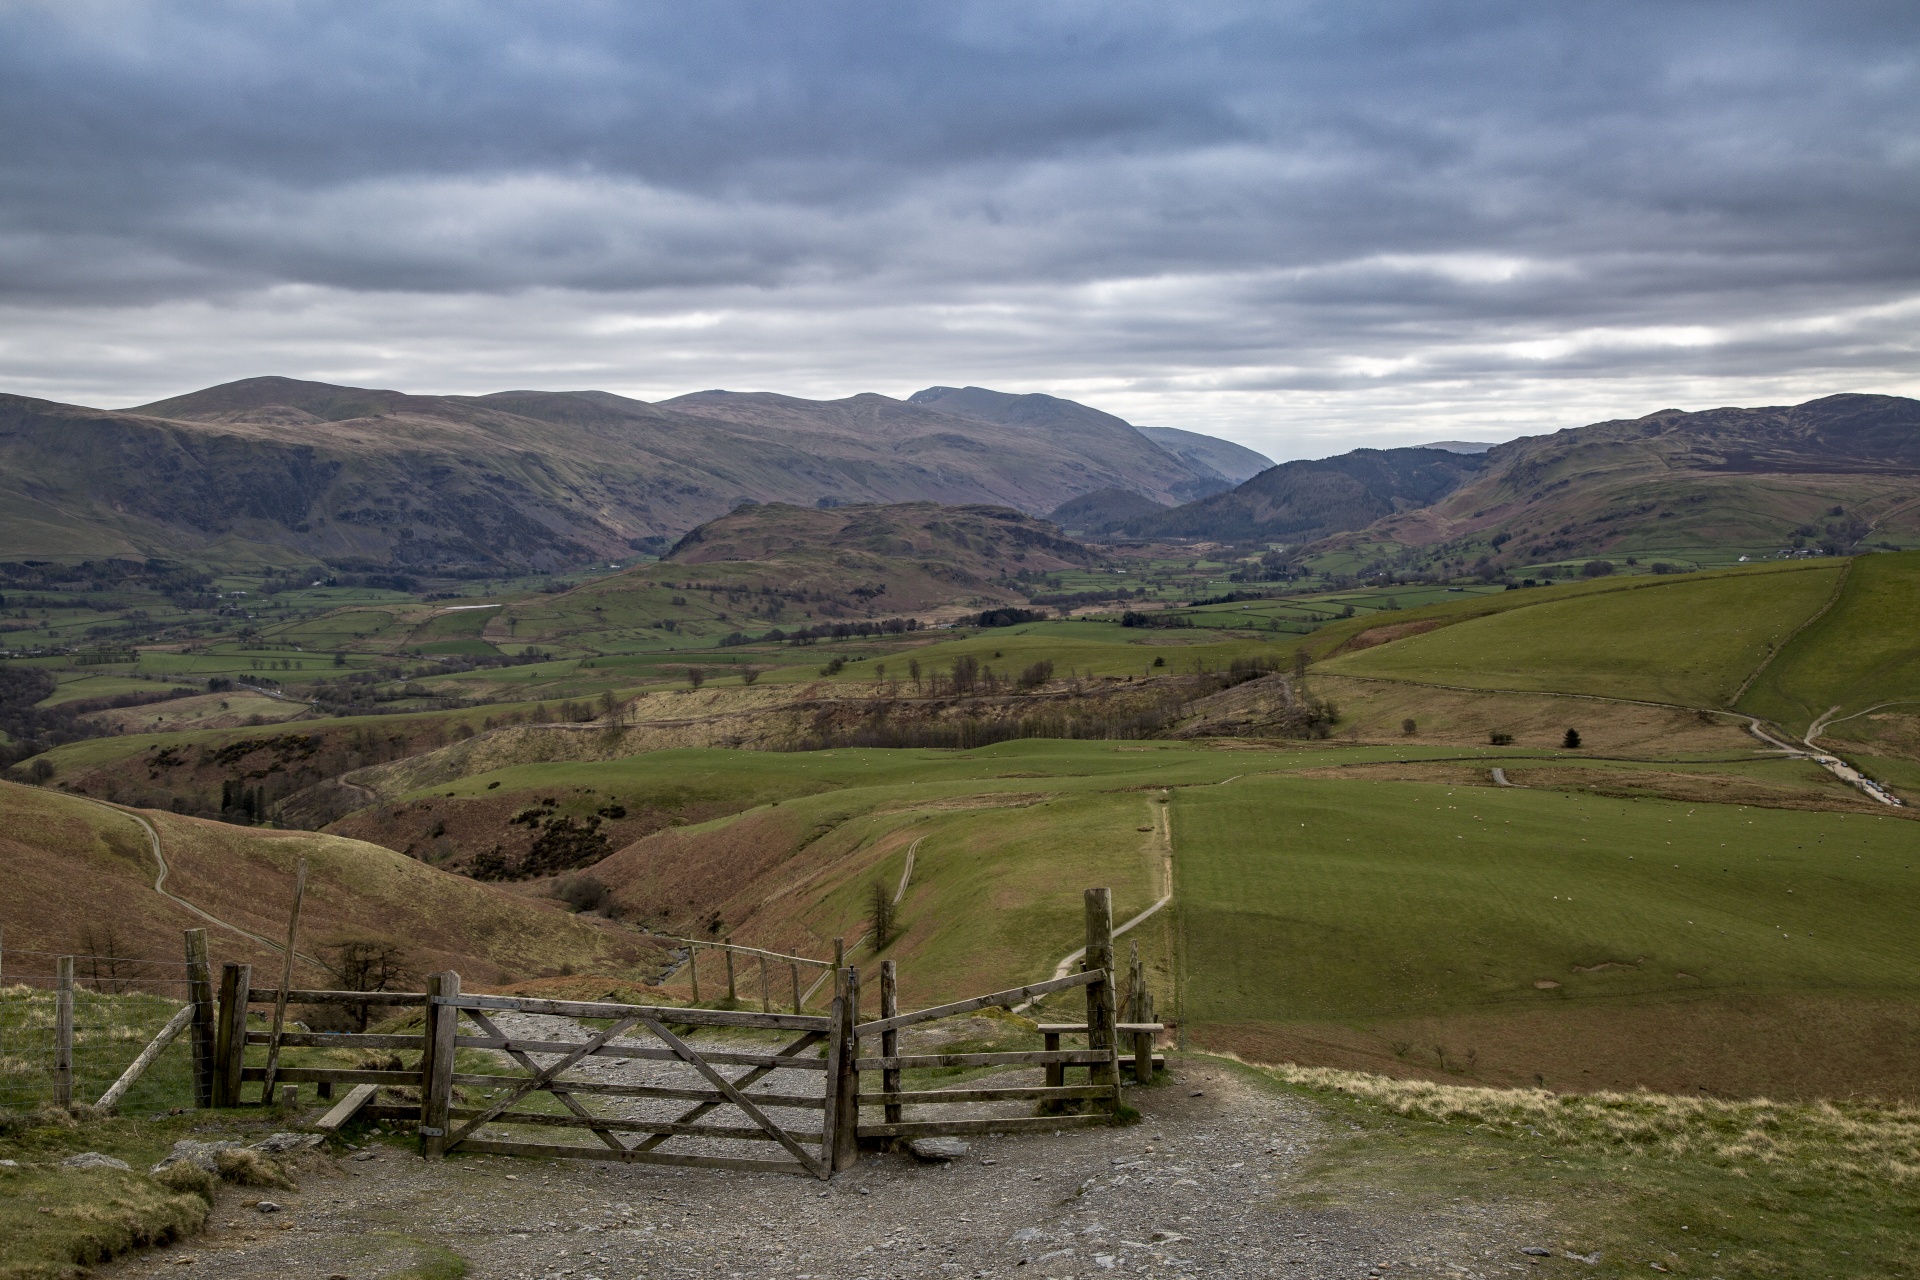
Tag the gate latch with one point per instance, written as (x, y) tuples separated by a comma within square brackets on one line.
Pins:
[(429, 1131)]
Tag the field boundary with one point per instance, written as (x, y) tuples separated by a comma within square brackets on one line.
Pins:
[(1833, 598)]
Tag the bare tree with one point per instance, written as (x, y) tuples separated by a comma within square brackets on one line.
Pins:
[(101, 960), (364, 963)]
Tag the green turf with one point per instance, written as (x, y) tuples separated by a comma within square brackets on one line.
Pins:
[(1690, 641), (1308, 899), (1862, 652)]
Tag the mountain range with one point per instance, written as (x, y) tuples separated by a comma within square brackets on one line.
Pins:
[(1831, 473), (275, 470)]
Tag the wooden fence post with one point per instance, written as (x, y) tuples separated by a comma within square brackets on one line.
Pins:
[(766, 992), (63, 1034), (1140, 1009), (732, 995), (846, 1139), (286, 981), (230, 1034), (693, 968), (200, 996), (890, 1040), (839, 964), (795, 967), (436, 1064), (1101, 1037)]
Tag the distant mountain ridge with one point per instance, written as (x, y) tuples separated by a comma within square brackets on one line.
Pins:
[(1235, 462), (1300, 502), (1829, 474), (279, 470)]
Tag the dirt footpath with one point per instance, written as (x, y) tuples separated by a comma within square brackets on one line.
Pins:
[(1197, 1189)]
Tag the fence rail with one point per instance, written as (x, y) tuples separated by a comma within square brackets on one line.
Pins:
[(93, 1027), (544, 1080)]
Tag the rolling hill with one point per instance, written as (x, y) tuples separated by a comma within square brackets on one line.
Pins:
[(73, 864), (769, 565), (1299, 502), (1839, 473), (278, 471)]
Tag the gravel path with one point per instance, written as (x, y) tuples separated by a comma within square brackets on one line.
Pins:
[(1198, 1189)]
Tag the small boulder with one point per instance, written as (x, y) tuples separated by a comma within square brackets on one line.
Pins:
[(267, 1206), (275, 1144), (937, 1150), (1535, 1251), (93, 1160), (204, 1155)]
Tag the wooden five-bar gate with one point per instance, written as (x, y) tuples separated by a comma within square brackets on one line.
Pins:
[(812, 1114)]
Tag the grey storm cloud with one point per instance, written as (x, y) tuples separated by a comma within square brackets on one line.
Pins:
[(1284, 220)]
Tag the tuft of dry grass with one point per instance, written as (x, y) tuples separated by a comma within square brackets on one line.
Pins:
[(1868, 1141)]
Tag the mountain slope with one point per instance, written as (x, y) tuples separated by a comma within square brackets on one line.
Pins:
[(775, 564), (70, 862), (1300, 501), (1234, 462), (1102, 509), (1125, 447), (284, 471), (1723, 477)]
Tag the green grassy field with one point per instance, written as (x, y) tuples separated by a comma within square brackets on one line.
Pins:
[(1690, 640), (1422, 915), (1863, 652)]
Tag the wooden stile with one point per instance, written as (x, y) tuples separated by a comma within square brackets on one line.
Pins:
[(344, 1110)]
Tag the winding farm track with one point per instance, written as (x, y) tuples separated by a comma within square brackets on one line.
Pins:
[(1164, 823), (1831, 763), (162, 870)]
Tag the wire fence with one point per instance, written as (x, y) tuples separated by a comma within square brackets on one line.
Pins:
[(118, 1004)]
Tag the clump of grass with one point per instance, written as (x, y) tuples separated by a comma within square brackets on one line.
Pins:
[(55, 1221), (1868, 1141)]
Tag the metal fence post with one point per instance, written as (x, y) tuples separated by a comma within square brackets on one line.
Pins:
[(63, 1034), (200, 996)]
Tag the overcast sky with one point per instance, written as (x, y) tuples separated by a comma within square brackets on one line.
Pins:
[(1302, 226)]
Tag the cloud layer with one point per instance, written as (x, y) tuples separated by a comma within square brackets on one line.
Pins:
[(1305, 226)]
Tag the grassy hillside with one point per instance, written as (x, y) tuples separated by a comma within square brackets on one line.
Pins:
[(75, 866), (1862, 653), (1415, 907), (1833, 473), (1687, 640), (1551, 936)]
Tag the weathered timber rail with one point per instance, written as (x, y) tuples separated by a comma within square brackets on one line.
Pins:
[(463, 1092)]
